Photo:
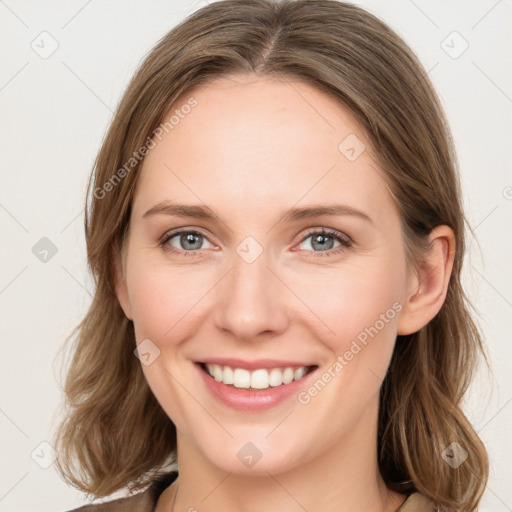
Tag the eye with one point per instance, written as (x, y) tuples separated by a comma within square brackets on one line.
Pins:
[(188, 241), (324, 239)]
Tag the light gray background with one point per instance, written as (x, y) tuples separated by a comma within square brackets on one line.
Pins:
[(54, 113)]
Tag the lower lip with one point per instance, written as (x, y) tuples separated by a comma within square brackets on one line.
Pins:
[(247, 400)]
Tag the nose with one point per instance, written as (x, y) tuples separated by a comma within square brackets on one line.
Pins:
[(251, 300)]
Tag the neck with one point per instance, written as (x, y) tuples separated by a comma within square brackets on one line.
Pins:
[(345, 478)]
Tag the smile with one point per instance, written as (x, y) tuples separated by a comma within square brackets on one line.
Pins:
[(261, 378)]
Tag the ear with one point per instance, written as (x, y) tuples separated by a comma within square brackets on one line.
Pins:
[(427, 290), (120, 284)]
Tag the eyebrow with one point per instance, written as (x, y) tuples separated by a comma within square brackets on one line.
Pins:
[(293, 214)]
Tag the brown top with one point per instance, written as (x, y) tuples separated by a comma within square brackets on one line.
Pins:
[(146, 501)]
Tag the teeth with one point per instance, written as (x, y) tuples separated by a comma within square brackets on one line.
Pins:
[(258, 379), (276, 377), (288, 376), (227, 375), (241, 378), (299, 373), (217, 373)]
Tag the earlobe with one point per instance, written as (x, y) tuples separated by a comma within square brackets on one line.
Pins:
[(428, 289)]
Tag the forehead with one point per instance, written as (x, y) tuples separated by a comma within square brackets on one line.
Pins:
[(250, 144)]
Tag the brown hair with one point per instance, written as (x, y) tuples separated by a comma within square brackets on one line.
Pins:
[(115, 433)]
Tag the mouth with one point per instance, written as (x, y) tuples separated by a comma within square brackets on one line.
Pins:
[(257, 378)]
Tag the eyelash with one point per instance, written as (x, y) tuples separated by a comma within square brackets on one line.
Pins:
[(343, 239)]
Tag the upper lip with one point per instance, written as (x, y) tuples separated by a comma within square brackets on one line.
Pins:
[(254, 364)]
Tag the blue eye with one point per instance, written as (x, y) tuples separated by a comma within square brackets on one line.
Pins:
[(191, 242), (324, 238), (187, 238)]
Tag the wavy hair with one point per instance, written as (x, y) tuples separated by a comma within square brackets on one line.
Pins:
[(114, 434)]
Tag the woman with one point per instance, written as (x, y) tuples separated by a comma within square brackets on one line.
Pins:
[(277, 237)]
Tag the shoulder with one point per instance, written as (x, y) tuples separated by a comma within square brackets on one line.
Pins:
[(417, 502), (142, 502)]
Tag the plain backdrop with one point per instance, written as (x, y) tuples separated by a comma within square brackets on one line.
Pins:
[(64, 66)]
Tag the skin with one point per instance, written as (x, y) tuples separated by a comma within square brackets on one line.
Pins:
[(251, 149)]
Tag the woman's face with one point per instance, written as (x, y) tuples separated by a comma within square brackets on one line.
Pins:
[(257, 283)]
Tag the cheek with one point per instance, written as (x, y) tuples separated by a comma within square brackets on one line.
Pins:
[(163, 297), (350, 301), (361, 305)]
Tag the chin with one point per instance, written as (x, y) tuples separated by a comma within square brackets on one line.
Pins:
[(255, 458)]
